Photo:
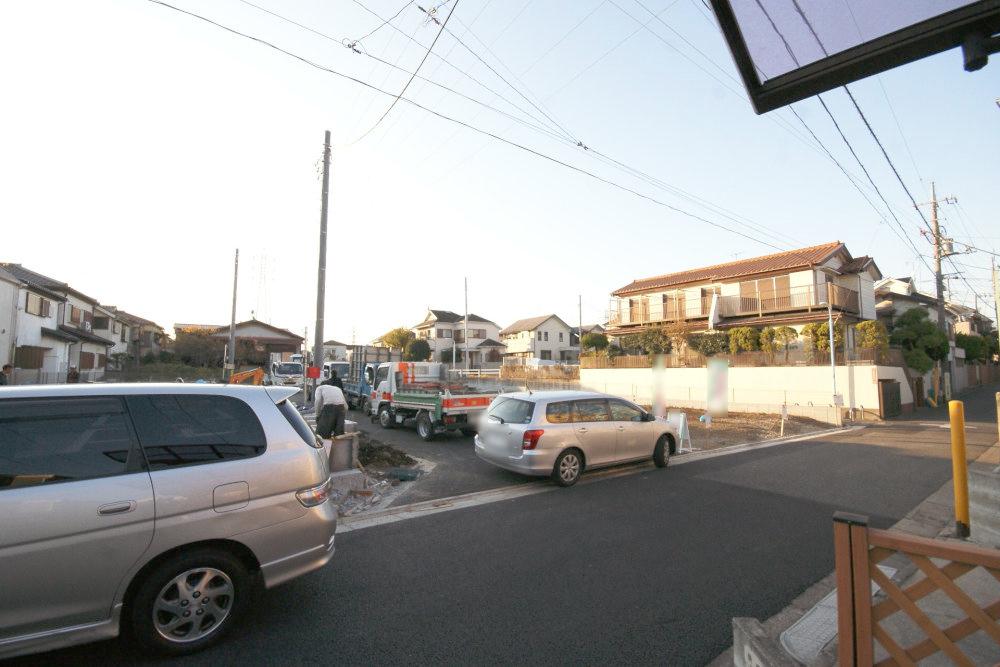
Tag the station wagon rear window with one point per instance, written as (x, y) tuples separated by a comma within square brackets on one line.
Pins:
[(512, 410)]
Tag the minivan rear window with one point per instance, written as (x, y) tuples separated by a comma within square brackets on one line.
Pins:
[(299, 424), (511, 410)]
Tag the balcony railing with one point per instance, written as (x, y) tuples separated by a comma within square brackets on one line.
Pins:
[(639, 310)]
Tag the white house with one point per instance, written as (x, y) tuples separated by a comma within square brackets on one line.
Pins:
[(444, 331), (109, 323), (546, 337), (334, 350), (10, 292)]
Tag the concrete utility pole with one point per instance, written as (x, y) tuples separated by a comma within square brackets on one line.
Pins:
[(938, 277), (231, 360), (996, 294), (466, 323), (318, 356)]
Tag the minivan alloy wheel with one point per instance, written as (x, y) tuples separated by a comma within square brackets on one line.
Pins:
[(193, 604)]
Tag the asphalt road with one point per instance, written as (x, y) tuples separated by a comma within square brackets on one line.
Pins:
[(646, 568), (457, 469)]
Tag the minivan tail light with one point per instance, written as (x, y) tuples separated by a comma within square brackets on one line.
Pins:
[(317, 495), (530, 439)]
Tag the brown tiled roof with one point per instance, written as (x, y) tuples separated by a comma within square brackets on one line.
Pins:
[(858, 264), (791, 259)]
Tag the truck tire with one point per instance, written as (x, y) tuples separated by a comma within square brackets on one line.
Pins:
[(365, 407), (386, 418), (425, 427), (468, 432)]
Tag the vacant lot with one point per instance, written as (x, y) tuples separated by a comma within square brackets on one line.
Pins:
[(738, 428)]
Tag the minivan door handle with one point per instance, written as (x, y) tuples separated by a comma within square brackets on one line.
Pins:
[(120, 507)]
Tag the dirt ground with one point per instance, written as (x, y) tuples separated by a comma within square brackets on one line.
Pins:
[(738, 428)]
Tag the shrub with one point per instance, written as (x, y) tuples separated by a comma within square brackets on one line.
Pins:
[(417, 349), (915, 333), (594, 341), (975, 346), (743, 339), (710, 343), (872, 334), (817, 336)]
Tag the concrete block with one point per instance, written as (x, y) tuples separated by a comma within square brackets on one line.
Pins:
[(984, 504), (753, 647)]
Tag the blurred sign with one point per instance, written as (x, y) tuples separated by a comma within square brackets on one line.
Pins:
[(718, 387), (312, 372)]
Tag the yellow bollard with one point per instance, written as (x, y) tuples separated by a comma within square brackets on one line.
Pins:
[(959, 468)]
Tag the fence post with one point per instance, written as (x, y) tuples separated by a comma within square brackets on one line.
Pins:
[(850, 545)]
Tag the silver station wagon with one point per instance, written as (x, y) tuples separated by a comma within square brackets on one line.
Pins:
[(154, 509), (562, 433)]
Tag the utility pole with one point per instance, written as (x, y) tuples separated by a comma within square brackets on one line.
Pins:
[(318, 355), (579, 324), (938, 277), (466, 323), (996, 295), (231, 360)]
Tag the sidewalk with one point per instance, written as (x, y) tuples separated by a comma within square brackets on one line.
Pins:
[(805, 632)]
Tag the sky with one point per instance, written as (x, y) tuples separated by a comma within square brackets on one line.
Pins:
[(140, 147)]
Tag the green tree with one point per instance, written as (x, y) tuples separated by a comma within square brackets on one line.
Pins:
[(709, 343), (743, 338), (397, 338), (785, 336), (975, 346), (594, 341), (768, 339), (872, 334), (417, 349), (922, 342), (199, 348), (817, 336), (651, 340)]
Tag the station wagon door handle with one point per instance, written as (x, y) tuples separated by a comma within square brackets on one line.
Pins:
[(116, 508), (581, 429)]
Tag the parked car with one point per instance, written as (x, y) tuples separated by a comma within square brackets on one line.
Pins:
[(563, 433), (154, 509)]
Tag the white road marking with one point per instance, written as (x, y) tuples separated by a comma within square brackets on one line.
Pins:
[(967, 427), (414, 510)]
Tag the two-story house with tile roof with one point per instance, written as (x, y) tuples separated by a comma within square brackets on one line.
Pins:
[(789, 288), (444, 331), (57, 317), (545, 337)]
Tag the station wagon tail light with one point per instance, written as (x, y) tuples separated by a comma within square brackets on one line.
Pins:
[(530, 439), (317, 495)]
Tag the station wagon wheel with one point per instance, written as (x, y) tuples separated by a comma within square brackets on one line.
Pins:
[(568, 468), (664, 448), (425, 428), (189, 601)]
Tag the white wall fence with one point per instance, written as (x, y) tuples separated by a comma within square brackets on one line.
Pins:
[(807, 391), (25, 376)]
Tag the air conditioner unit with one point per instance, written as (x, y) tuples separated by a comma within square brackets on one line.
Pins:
[(87, 326)]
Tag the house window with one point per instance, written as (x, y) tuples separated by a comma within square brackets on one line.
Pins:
[(29, 356), (75, 315), (560, 336), (36, 305), (546, 336), (539, 335), (86, 361), (547, 355), (124, 335), (102, 361), (101, 323)]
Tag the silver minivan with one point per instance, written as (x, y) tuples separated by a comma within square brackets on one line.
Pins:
[(562, 433), (153, 509)]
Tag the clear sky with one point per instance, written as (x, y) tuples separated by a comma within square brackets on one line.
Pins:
[(139, 147)]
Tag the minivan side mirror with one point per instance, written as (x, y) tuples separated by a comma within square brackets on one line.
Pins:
[(648, 417)]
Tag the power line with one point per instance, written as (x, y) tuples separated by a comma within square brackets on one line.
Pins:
[(445, 61), (384, 23), (443, 116), (430, 48), (604, 159)]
